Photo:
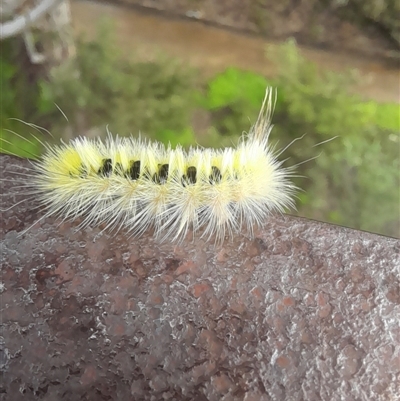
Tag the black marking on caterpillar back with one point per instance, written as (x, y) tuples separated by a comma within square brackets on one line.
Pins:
[(192, 174), (162, 175), (215, 176), (106, 168), (190, 177), (134, 171)]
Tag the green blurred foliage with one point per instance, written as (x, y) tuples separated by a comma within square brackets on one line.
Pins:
[(234, 99), (128, 95), (387, 115), (357, 173), (18, 98), (102, 88), (353, 180)]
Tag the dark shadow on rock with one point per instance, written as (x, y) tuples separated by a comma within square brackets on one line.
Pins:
[(304, 311)]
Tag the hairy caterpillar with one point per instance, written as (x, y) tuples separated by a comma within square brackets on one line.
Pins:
[(135, 184)]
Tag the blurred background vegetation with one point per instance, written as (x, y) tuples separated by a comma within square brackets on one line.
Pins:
[(353, 180)]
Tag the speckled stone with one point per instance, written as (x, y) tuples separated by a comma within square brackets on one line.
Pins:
[(304, 311)]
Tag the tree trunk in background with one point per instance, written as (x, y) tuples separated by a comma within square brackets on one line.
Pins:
[(45, 27)]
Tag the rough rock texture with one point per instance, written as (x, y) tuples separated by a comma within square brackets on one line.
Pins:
[(304, 311)]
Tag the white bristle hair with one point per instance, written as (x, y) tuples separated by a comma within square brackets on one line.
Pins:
[(132, 184)]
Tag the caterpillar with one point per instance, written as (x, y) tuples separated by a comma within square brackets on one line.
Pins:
[(134, 184)]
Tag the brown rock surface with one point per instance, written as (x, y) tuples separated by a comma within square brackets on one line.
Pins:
[(304, 311)]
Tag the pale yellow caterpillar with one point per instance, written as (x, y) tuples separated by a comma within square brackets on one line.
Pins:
[(134, 184)]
